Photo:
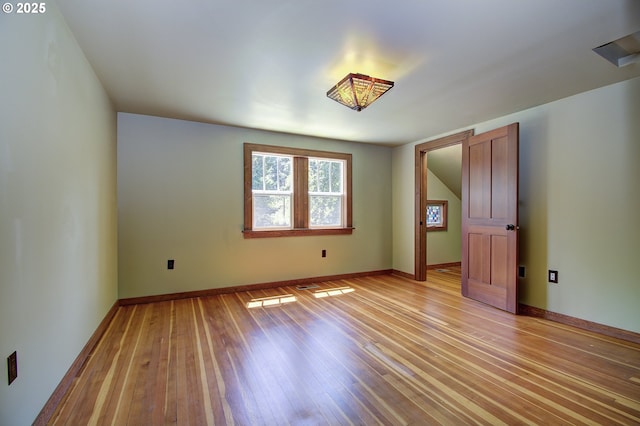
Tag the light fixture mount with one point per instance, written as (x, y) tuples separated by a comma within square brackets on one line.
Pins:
[(358, 91)]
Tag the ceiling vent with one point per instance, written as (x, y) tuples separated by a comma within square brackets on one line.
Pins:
[(623, 51)]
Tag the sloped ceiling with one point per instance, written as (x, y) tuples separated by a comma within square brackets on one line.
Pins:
[(446, 164), (267, 64)]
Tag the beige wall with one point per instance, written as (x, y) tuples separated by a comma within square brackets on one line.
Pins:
[(58, 216), (579, 203), (180, 196), (444, 246)]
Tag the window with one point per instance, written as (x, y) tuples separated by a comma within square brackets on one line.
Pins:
[(272, 188), (437, 215), (326, 194), (291, 192)]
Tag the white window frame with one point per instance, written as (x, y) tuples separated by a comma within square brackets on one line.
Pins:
[(274, 192), (340, 194)]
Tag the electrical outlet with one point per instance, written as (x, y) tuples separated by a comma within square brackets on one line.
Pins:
[(12, 366), (324, 253), (170, 263), (553, 276)]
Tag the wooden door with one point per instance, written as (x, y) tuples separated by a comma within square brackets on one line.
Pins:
[(490, 217)]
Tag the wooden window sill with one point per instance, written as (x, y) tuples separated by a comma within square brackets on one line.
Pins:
[(249, 233)]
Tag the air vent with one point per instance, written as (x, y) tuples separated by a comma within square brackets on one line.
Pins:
[(306, 287), (623, 51)]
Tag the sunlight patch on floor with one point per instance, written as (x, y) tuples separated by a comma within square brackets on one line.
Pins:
[(262, 302), (332, 292)]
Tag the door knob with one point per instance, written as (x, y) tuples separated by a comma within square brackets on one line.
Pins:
[(511, 227)]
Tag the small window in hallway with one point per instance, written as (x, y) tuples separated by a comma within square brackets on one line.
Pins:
[(437, 215)]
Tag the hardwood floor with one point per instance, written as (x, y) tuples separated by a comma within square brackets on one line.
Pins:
[(376, 350)]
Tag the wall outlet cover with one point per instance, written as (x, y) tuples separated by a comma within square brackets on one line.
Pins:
[(521, 272), (553, 276), (12, 366)]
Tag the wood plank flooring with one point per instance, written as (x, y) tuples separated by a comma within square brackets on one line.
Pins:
[(376, 350)]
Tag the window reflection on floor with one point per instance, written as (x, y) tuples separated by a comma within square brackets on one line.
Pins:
[(332, 292), (271, 301)]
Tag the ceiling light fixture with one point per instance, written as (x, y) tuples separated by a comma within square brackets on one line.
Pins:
[(358, 91)]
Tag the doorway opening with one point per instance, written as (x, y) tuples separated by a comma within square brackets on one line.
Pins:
[(422, 197)]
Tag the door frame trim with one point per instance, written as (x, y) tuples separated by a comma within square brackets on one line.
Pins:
[(421, 150)]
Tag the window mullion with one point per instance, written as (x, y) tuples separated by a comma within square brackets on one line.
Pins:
[(264, 177), (301, 192)]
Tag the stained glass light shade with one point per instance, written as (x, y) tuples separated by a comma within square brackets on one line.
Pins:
[(358, 91)]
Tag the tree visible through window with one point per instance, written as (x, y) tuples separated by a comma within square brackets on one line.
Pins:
[(272, 190), (292, 191), (325, 192)]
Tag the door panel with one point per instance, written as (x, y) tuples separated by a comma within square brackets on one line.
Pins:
[(499, 179), (499, 247), (489, 207), (480, 180), (477, 266)]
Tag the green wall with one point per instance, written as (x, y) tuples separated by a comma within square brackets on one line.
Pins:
[(444, 246), (58, 217), (180, 196), (579, 203)]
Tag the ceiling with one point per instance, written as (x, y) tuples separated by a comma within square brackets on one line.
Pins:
[(267, 64), (446, 164)]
